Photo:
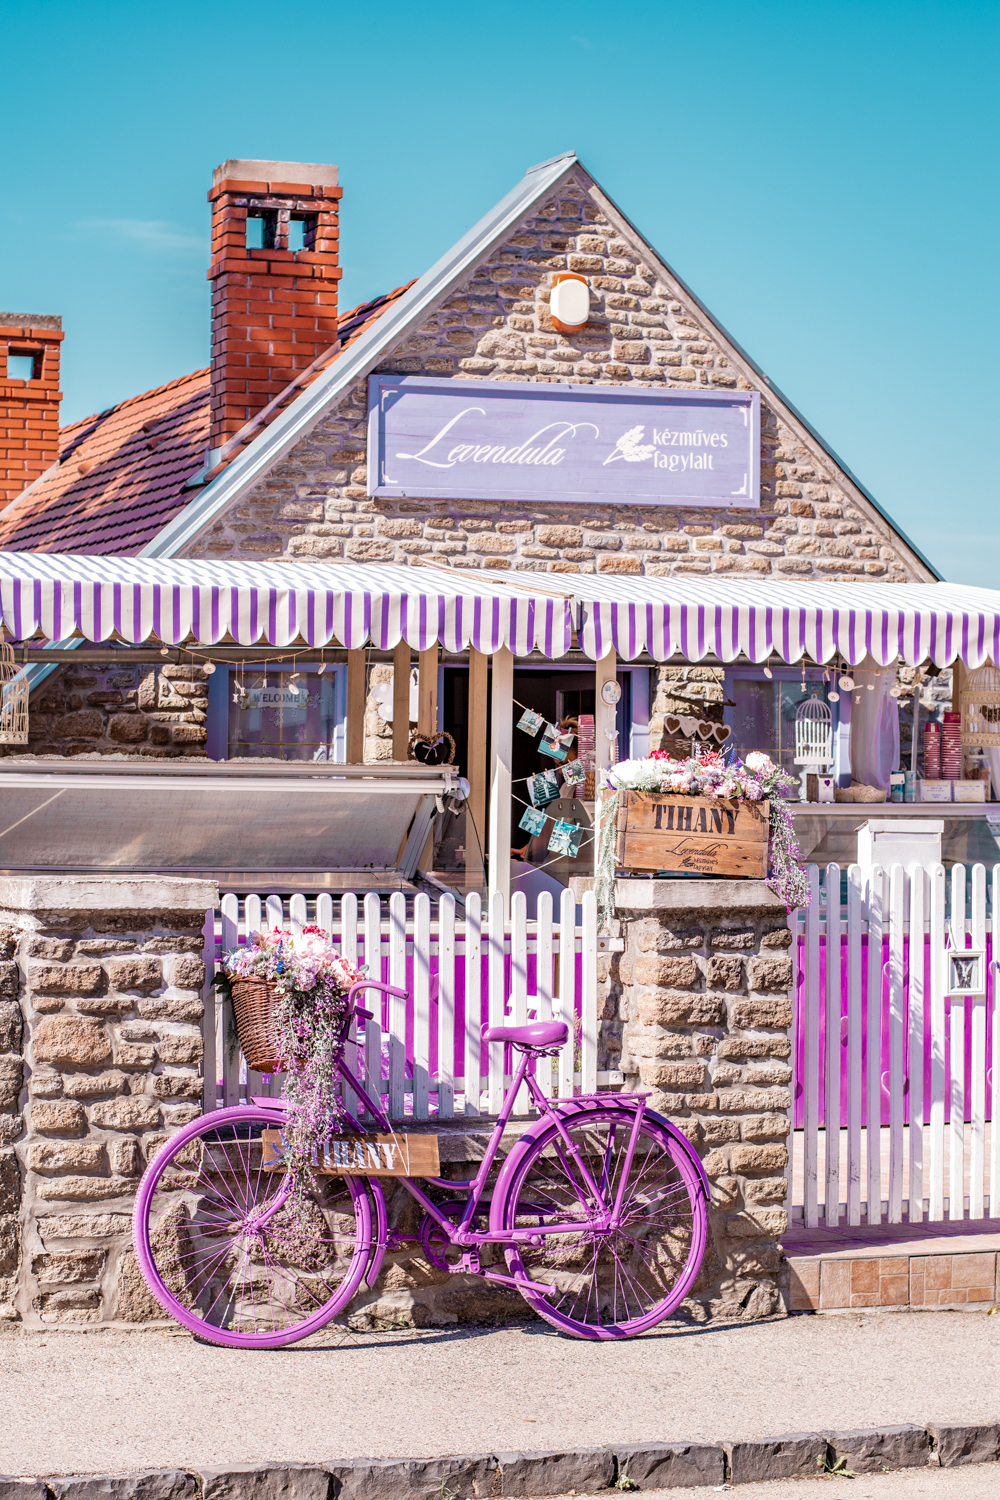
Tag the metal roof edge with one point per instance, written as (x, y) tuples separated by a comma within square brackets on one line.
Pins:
[(307, 409), (768, 382)]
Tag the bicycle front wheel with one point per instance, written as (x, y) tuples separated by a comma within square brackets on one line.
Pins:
[(222, 1250), (617, 1283)]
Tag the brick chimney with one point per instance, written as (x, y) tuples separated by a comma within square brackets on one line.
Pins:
[(274, 277), (29, 399)]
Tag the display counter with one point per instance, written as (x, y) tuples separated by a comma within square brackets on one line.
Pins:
[(245, 823), (828, 833)]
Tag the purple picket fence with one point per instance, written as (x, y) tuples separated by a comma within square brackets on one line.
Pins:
[(800, 1004), (547, 966)]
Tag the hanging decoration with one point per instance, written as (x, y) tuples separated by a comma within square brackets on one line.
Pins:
[(573, 773), (565, 838), (14, 709), (980, 703), (543, 787), (533, 821)]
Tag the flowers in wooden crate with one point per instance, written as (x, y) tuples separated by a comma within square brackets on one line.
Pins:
[(752, 779), (711, 775)]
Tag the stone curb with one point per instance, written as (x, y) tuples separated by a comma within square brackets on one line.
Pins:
[(583, 1471)]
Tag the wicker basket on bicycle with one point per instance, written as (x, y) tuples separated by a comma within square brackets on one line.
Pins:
[(254, 1003)]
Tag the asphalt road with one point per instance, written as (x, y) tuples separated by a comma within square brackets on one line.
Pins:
[(111, 1401)]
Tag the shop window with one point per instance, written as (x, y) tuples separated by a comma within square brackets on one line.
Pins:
[(762, 716), (286, 714)]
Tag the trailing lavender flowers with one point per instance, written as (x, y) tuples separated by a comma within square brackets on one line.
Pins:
[(310, 981), (751, 780)]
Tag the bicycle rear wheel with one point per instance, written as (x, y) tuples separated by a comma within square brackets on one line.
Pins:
[(619, 1283), (224, 1254)]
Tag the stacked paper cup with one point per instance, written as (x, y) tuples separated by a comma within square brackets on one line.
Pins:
[(932, 751), (951, 748)]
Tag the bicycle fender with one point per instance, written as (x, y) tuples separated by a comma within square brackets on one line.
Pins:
[(568, 1108), (679, 1135), (380, 1237)]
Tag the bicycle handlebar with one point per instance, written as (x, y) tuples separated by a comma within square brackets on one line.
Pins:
[(373, 984)]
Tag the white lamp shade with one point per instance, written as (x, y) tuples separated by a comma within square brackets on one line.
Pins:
[(570, 303)]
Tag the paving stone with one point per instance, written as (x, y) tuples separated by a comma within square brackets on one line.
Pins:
[(583, 1470), (873, 1450), (22, 1489), (670, 1465), (789, 1457), (464, 1475), (956, 1444), (157, 1484), (288, 1482)]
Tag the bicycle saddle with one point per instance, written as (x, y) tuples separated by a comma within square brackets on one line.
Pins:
[(538, 1034)]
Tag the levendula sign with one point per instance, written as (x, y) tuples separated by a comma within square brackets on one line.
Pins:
[(507, 440)]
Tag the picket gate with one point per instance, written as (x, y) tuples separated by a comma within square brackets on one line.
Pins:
[(895, 1093), (425, 1052)]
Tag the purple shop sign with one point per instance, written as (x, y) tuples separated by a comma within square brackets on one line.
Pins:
[(512, 440)]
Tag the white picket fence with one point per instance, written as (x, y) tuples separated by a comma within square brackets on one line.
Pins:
[(423, 1067), (878, 968)]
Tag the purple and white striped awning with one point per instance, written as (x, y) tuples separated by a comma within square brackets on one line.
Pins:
[(57, 596)]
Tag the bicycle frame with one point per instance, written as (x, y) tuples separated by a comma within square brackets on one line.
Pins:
[(605, 1217)]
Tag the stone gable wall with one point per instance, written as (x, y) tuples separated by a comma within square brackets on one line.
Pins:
[(643, 332)]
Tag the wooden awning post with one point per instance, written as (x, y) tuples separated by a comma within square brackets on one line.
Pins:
[(501, 746), (427, 704), (401, 701), (356, 686), (475, 770), (427, 723), (605, 719)]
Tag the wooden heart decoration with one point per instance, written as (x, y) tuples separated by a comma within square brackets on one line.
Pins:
[(705, 729), (722, 733), (671, 723)]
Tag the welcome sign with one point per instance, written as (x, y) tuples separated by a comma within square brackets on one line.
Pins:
[(512, 440)]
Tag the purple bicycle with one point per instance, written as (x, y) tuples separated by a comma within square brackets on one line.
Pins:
[(597, 1215)]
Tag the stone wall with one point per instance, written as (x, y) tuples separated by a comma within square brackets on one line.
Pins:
[(698, 1009), (110, 976), (644, 331), (113, 709)]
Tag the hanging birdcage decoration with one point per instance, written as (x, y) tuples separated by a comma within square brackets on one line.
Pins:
[(981, 707), (813, 733), (14, 709)]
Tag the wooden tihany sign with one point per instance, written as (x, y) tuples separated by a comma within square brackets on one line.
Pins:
[(406, 1155), (707, 835)]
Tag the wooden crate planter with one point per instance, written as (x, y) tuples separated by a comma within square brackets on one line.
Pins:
[(706, 835)]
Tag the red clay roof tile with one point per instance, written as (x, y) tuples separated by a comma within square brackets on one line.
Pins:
[(121, 474)]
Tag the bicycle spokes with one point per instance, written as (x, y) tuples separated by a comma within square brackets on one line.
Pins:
[(230, 1255), (611, 1274)]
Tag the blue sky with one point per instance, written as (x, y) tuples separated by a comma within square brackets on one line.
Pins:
[(824, 175)]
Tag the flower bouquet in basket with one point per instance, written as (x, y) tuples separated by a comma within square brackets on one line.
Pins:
[(289, 994), (753, 780)]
